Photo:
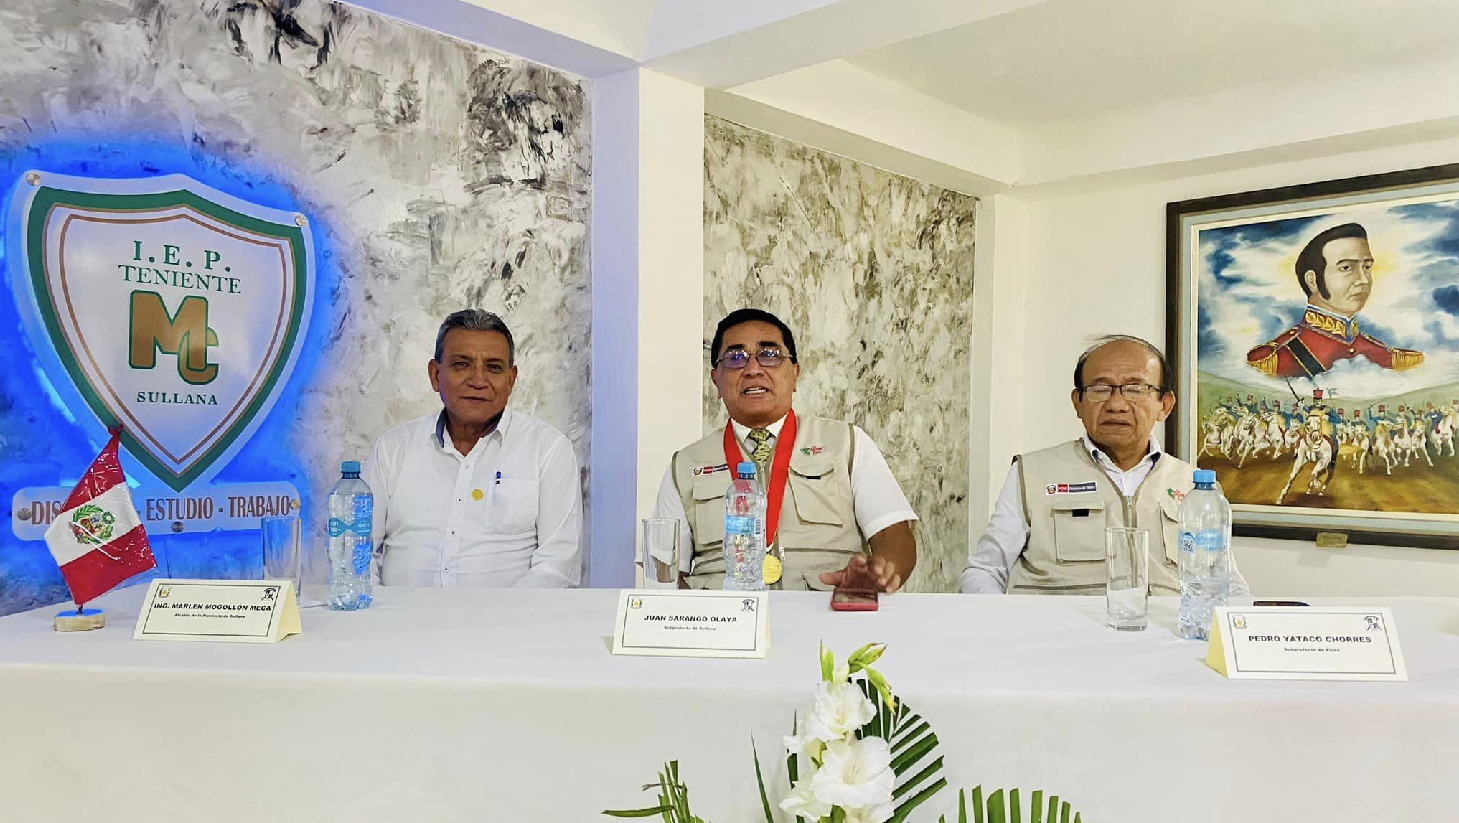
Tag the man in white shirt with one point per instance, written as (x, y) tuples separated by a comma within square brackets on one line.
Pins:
[(477, 494), (834, 508), (1046, 532)]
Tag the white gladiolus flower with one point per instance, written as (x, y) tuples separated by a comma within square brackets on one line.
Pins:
[(807, 747), (857, 775), (840, 709), (802, 802), (870, 814)]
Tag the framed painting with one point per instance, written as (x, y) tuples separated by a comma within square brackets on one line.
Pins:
[(1314, 333)]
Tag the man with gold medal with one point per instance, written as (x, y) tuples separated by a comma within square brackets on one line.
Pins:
[(833, 506)]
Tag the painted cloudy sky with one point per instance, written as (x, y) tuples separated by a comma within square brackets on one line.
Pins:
[(1248, 294)]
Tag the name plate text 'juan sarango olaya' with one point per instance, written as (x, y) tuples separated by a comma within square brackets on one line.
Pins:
[(692, 624)]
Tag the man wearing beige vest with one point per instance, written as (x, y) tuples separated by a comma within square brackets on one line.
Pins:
[(834, 508), (1046, 534)]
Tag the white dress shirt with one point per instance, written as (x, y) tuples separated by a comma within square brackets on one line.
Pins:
[(877, 498), (992, 557), (509, 513)]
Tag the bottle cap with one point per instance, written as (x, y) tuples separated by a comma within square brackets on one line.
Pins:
[(745, 469), (1204, 476), (350, 467)]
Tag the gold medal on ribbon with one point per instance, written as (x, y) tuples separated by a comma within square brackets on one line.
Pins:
[(772, 569)]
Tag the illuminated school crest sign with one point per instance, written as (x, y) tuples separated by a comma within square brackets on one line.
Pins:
[(161, 305)]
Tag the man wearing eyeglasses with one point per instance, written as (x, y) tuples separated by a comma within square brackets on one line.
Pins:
[(1046, 533), (834, 508)]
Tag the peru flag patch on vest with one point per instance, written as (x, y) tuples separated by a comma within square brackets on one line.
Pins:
[(1070, 488)]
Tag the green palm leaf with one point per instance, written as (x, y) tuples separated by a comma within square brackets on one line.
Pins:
[(995, 810), (913, 744), (673, 804), (760, 781)]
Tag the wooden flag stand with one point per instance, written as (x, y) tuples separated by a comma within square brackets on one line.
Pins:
[(81, 620)]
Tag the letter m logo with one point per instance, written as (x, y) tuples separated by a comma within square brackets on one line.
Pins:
[(184, 334)]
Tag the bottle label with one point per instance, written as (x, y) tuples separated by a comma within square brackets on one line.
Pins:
[(1210, 540), (1187, 542), (734, 524), (362, 522)]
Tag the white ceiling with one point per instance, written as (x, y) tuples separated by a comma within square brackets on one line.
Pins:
[(645, 29), (1001, 94), (1072, 59)]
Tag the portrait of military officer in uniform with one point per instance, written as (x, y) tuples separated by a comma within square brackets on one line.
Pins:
[(1335, 269), (1327, 400)]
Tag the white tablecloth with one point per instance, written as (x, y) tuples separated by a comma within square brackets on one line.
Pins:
[(450, 705)]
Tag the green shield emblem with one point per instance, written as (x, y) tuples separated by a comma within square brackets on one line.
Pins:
[(161, 305)]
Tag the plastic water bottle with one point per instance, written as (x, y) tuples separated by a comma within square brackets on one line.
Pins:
[(1205, 555), (351, 507), (744, 532)]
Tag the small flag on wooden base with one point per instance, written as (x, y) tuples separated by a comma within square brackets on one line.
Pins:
[(98, 540)]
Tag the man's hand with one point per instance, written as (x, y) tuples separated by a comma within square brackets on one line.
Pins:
[(893, 557), (878, 572)]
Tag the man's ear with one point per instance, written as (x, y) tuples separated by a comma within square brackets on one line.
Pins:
[(1310, 278), (1167, 405)]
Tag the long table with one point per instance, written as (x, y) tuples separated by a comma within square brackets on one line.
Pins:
[(472, 705)]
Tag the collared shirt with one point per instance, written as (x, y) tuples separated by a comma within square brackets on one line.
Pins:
[(508, 513), (877, 498), (992, 557)]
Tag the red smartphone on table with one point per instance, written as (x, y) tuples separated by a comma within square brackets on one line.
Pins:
[(853, 600)]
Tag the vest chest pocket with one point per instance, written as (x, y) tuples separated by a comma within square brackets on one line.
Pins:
[(1079, 531), (822, 501), (814, 483), (708, 514)]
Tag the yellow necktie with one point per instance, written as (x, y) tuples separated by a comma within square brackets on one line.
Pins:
[(762, 452), (761, 455)]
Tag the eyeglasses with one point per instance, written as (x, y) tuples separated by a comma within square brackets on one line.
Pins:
[(740, 358), (1099, 392)]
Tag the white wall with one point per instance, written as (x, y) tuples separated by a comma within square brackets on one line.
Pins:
[(996, 422), (648, 301), (1095, 264)]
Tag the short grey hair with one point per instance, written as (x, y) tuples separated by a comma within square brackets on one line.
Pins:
[(475, 320), (1167, 380)]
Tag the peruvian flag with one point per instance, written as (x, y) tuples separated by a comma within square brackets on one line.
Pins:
[(98, 539)]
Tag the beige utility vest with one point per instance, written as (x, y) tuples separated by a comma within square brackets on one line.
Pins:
[(817, 531), (1065, 550)]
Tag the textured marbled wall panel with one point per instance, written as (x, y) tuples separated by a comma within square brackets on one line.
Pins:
[(437, 175), (874, 274)]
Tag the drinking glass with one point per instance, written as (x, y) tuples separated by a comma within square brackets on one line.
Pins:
[(281, 549), (660, 557), (1127, 568)]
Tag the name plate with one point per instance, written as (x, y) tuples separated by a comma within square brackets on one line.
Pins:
[(676, 623), (1300, 643), (224, 611)]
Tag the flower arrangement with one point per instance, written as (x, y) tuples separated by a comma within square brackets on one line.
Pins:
[(840, 760), (857, 755)]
